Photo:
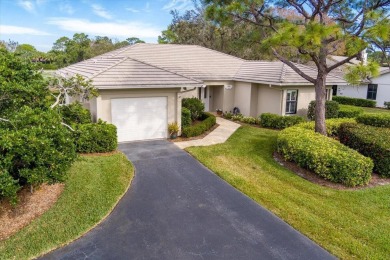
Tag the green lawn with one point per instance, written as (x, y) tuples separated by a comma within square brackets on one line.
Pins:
[(374, 110), (93, 186), (349, 224)]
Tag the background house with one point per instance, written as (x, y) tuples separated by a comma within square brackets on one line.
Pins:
[(141, 86)]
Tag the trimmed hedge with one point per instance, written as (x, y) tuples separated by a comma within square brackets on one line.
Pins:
[(359, 102), (249, 120), (208, 121), (326, 157), (370, 141), (331, 109), (332, 125), (279, 122), (378, 120), (185, 117), (195, 106), (347, 111), (96, 138)]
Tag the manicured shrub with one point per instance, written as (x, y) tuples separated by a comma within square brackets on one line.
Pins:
[(8, 187), (347, 111), (387, 105), (35, 148), (279, 122), (331, 110), (185, 117), (359, 102), (75, 113), (378, 120), (208, 121), (237, 117), (249, 120), (370, 141), (326, 157), (195, 106), (96, 138), (332, 125), (228, 115)]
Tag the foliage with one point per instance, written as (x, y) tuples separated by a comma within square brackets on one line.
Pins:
[(35, 147), (96, 138), (355, 74), (279, 122), (237, 117), (195, 106), (8, 187), (332, 125), (370, 141), (387, 105), (208, 121), (173, 128), (331, 109), (249, 120), (324, 156), (347, 111), (228, 115), (93, 188), (378, 120), (75, 113), (185, 117), (359, 102), (321, 213)]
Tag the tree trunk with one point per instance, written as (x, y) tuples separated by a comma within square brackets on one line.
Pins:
[(320, 89)]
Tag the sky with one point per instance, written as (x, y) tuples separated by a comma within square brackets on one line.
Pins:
[(41, 22)]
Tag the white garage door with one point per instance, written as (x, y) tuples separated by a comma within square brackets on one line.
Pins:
[(140, 118)]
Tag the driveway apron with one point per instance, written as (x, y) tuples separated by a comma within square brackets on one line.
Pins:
[(178, 209)]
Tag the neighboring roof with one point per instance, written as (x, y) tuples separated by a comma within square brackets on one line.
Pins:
[(278, 73), (384, 70)]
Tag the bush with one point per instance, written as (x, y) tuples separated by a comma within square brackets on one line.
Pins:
[(237, 117), (331, 109), (370, 141), (387, 105), (332, 125), (359, 102), (195, 106), (8, 187), (185, 117), (347, 111), (249, 120), (208, 121), (378, 120), (96, 138), (324, 156), (279, 122), (75, 113), (36, 148), (228, 115)]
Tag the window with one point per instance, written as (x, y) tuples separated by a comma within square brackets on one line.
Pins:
[(291, 101), (205, 93), (334, 88), (371, 91), (328, 94)]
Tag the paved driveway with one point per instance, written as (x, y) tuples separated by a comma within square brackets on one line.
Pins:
[(178, 209)]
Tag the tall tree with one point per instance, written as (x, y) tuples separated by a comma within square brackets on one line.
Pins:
[(315, 31)]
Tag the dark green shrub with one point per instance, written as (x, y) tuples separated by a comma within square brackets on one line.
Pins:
[(35, 148), (208, 121), (347, 111), (332, 125), (326, 157), (331, 110), (359, 102), (8, 187), (387, 105), (195, 106), (96, 138), (370, 141), (279, 122), (185, 117), (378, 120), (75, 113)]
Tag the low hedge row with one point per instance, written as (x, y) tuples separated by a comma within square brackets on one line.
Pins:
[(332, 125), (331, 110), (279, 122), (378, 120), (347, 111), (326, 157), (370, 141), (208, 121), (96, 138), (359, 102)]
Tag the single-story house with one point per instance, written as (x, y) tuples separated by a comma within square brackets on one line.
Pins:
[(141, 86), (377, 88)]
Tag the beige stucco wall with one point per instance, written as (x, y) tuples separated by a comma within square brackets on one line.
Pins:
[(189, 93), (103, 102), (269, 99), (242, 97), (216, 93)]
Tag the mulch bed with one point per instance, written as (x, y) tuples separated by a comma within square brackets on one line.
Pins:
[(376, 180), (183, 139), (30, 206)]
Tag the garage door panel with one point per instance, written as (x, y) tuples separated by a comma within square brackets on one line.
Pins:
[(140, 118)]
